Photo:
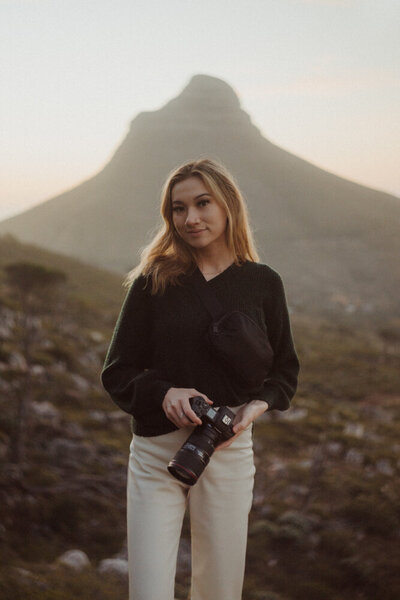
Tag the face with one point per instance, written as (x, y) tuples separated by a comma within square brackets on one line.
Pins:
[(198, 218)]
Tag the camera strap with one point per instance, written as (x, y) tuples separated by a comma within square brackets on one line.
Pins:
[(206, 295)]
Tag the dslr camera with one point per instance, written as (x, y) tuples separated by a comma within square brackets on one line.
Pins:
[(192, 458)]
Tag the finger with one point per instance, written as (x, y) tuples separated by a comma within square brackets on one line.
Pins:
[(224, 445), (196, 393), (193, 417), (241, 426), (182, 418), (185, 422), (190, 414), (227, 443), (172, 415)]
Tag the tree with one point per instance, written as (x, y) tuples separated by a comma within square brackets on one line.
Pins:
[(34, 288)]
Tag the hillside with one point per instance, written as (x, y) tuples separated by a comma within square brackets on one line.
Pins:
[(325, 522), (335, 242)]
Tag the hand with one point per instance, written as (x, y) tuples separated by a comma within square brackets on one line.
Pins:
[(177, 407), (244, 416)]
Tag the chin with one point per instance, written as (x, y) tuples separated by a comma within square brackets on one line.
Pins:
[(197, 243)]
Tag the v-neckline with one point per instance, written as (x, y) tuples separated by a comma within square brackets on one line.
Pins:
[(218, 275)]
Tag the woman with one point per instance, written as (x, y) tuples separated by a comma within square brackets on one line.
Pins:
[(159, 358)]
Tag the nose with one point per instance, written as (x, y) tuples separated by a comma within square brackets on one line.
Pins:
[(192, 217)]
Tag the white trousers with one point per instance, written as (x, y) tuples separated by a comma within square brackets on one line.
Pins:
[(219, 505)]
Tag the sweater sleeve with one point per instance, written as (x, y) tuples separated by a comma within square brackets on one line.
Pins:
[(281, 384), (127, 374)]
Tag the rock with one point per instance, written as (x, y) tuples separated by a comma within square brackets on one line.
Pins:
[(384, 467), (369, 472), (89, 358), (37, 370), (30, 579), (272, 562), (18, 362), (80, 382), (265, 510), (377, 413), (263, 527), (58, 367), (113, 566), (23, 573), (334, 448), (117, 416), (277, 465), (371, 436), (298, 490), (123, 553), (7, 323), (46, 411), (74, 559), (294, 414), (354, 429), (98, 416), (96, 336), (298, 520), (354, 457), (259, 498), (74, 430), (289, 533), (334, 417), (304, 463), (66, 452)]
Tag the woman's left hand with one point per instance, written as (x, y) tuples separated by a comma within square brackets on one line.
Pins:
[(244, 416)]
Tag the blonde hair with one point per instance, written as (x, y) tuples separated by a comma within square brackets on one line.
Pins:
[(167, 256)]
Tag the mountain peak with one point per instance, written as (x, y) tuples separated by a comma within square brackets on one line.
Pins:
[(206, 93), (208, 88)]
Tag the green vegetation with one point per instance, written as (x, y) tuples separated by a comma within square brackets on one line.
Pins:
[(325, 523)]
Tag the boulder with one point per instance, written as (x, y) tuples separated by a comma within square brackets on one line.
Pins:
[(113, 566), (74, 559), (45, 411), (354, 457)]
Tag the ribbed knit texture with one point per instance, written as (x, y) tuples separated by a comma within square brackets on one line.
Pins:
[(160, 342)]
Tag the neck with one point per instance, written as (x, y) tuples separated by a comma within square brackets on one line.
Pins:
[(212, 261)]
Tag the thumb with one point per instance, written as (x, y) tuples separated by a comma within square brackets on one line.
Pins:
[(240, 426)]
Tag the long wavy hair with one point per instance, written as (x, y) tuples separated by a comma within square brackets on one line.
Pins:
[(168, 256)]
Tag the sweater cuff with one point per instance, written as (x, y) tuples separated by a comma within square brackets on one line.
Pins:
[(273, 397), (150, 393)]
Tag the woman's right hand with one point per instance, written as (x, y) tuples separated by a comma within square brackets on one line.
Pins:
[(177, 407)]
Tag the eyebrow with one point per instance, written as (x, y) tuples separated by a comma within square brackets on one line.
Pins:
[(196, 198)]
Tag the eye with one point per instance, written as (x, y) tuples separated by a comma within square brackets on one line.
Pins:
[(177, 209), (203, 202)]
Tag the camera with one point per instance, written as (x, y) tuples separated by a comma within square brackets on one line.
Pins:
[(192, 458)]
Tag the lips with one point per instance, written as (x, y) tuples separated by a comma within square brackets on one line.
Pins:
[(195, 231)]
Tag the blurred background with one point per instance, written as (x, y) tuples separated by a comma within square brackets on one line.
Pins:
[(100, 101)]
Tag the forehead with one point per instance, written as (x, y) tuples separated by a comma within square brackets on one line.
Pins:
[(188, 188)]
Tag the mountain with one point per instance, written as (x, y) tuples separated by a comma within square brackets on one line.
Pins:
[(334, 242)]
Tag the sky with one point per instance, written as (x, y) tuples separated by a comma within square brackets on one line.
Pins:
[(319, 78)]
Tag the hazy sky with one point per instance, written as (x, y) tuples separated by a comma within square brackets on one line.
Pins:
[(320, 78)]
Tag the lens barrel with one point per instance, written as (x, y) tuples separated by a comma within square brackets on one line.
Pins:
[(190, 461)]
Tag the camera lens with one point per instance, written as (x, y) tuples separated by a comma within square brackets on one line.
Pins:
[(190, 461)]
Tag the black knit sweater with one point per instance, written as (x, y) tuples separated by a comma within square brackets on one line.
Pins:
[(159, 342)]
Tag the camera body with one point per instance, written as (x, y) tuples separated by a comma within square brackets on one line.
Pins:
[(220, 418), (192, 458)]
